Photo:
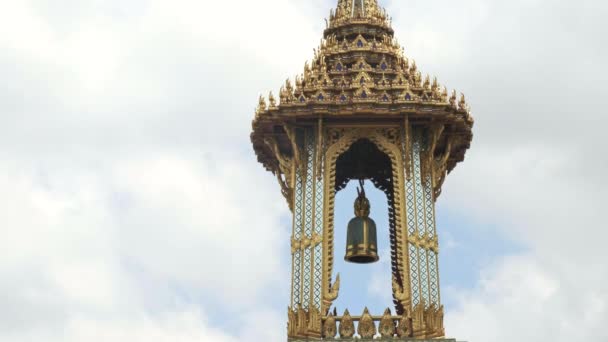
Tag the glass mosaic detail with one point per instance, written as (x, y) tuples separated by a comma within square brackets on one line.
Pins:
[(420, 219), (414, 275), (318, 229), (297, 234), (308, 214), (318, 276)]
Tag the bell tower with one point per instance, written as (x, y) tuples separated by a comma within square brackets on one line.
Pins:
[(362, 110)]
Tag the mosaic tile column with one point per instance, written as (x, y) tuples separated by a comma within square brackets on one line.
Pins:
[(307, 224), (422, 238)]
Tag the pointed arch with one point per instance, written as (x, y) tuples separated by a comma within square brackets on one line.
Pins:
[(386, 142)]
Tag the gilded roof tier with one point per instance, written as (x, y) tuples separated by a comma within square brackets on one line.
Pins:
[(360, 73)]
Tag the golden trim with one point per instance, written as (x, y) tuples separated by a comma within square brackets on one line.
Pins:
[(282, 170), (340, 142), (408, 148)]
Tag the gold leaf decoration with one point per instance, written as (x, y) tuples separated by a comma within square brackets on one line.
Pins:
[(366, 328), (347, 326), (387, 325), (403, 328), (329, 327)]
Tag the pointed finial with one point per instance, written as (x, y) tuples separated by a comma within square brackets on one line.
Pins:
[(462, 104), (261, 105), (272, 100), (453, 99), (288, 86)]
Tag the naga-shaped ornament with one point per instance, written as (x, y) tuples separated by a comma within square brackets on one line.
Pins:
[(387, 325), (366, 328), (334, 291), (347, 326)]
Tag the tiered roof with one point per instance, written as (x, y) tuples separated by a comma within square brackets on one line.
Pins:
[(360, 73)]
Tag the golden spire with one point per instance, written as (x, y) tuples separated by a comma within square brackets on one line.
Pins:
[(261, 105)]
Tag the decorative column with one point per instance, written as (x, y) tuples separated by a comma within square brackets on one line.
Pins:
[(306, 244), (422, 241)]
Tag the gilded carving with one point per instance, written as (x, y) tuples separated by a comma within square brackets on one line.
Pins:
[(400, 294), (435, 132), (408, 149), (428, 321), (261, 106), (387, 325), (440, 165), (291, 135), (314, 322), (332, 294), (282, 171), (391, 134), (403, 329), (424, 242), (319, 149), (334, 134), (292, 324), (347, 326), (302, 321), (295, 245), (272, 102), (329, 327), (462, 104), (366, 327)]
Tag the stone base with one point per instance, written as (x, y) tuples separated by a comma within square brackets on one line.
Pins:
[(357, 339)]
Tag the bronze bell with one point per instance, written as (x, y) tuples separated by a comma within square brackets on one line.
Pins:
[(361, 242)]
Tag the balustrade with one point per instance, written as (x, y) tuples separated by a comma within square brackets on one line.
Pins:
[(366, 326)]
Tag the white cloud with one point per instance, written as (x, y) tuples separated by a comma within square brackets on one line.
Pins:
[(82, 245), (380, 285), (534, 169), (187, 325), (522, 298)]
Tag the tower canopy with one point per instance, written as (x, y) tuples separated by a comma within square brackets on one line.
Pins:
[(360, 72)]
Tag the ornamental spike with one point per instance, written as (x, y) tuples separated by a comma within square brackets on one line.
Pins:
[(427, 82), (261, 105), (453, 99), (462, 104)]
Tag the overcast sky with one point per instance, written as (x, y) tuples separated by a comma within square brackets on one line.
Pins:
[(132, 207)]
